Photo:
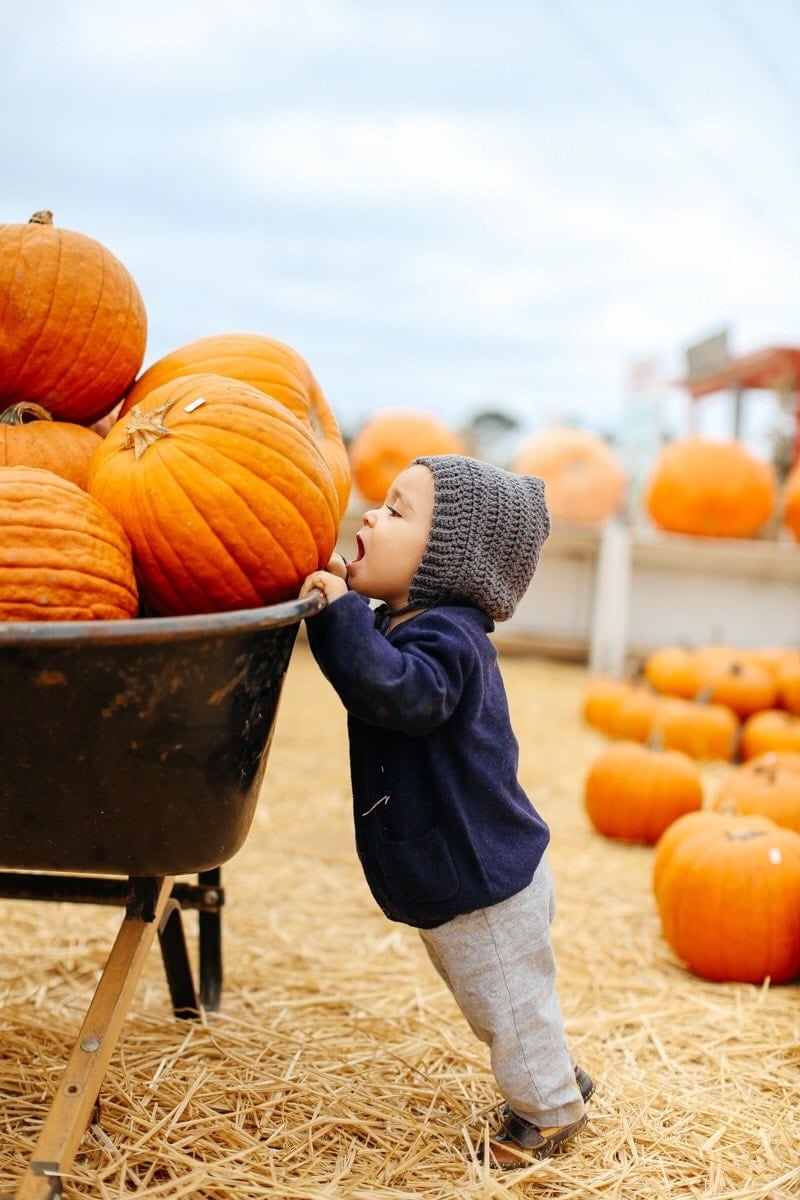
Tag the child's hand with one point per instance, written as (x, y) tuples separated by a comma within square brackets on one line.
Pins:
[(337, 566), (331, 586)]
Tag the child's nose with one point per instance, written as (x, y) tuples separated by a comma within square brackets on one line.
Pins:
[(369, 516)]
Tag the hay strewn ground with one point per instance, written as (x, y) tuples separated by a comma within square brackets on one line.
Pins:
[(339, 1067)]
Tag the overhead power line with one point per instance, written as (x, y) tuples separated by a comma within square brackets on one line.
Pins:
[(584, 36)]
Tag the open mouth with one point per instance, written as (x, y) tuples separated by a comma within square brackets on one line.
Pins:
[(360, 551)]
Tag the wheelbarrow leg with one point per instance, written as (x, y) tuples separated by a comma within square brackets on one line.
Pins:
[(210, 939), (72, 1105), (172, 940)]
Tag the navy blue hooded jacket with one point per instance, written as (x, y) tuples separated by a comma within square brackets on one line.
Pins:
[(442, 824)]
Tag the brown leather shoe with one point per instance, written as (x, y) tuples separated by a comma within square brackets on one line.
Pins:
[(517, 1143)]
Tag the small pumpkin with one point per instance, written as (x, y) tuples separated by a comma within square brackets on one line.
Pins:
[(710, 488), (73, 327), (791, 501), (63, 557), (772, 729), (272, 367), (634, 792), (584, 477), (740, 682), (224, 494), (389, 440), (787, 678), (727, 889), (600, 703), (671, 671), (703, 731), (768, 784), (29, 437)]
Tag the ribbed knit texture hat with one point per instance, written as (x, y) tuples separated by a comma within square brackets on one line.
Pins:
[(487, 531)]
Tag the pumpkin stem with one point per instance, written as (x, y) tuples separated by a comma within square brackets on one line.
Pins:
[(145, 427), (18, 413), (744, 835), (45, 217)]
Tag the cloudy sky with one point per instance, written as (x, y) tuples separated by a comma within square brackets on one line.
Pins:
[(456, 204)]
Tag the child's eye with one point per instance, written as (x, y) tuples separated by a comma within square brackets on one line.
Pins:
[(392, 511)]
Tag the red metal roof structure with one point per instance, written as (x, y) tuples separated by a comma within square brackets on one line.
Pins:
[(776, 367)]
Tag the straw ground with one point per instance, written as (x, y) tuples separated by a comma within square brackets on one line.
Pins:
[(338, 1066)]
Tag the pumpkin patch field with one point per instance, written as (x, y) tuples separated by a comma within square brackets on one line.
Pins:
[(338, 1066)]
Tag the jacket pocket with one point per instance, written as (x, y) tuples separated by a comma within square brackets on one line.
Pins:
[(420, 869)]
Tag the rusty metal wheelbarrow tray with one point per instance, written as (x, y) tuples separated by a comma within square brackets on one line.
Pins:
[(132, 752)]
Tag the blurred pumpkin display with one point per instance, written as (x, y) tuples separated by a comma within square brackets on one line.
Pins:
[(29, 437), (772, 729), (791, 501), (63, 556), (391, 439), (584, 478), (73, 328), (768, 784), (710, 489), (634, 792), (727, 888), (264, 363), (225, 495)]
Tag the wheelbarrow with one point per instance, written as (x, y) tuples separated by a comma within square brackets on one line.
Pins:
[(133, 752)]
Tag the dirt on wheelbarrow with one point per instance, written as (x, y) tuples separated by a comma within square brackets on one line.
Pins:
[(338, 1065)]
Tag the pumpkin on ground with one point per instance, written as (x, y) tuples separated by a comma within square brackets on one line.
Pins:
[(787, 679), (63, 557), (710, 488), (768, 784), (705, 731), (634, 792), (671, 671), (29, 437), (264, 363), (727, 888), (740, 682), (224, 494), (73, 325), (791, 501), (391, 439), (583, 475), (772, 729), (601, 700)]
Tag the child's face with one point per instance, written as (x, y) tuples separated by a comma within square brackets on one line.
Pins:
[(393, 538)]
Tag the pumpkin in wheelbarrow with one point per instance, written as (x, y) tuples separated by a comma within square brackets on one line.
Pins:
[(63, 557), (225, 495)]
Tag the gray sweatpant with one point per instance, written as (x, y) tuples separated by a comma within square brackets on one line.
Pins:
[(498, 963)]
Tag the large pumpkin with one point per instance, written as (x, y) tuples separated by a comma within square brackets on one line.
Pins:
[(584, 477), (391, 439), (63, 557), (710, 488), (269, 365), (224, 494), (29, 437), (634, 792), (727, 889), (73, 326), (791, 501)]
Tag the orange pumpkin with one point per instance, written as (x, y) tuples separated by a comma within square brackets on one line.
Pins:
[(390, 440), (727, 888), (704, 731), (63, 557), (29, 437), (710, 488), (768, 784), (584, 477), (72, 321), (264, 363), (634, 792), (791, 501), (772, 729), (741, 683), (788, 681), (671, 671), (601, 700), (224, 494)]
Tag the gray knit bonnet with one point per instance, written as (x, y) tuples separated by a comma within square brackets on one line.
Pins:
[(487, 530)]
